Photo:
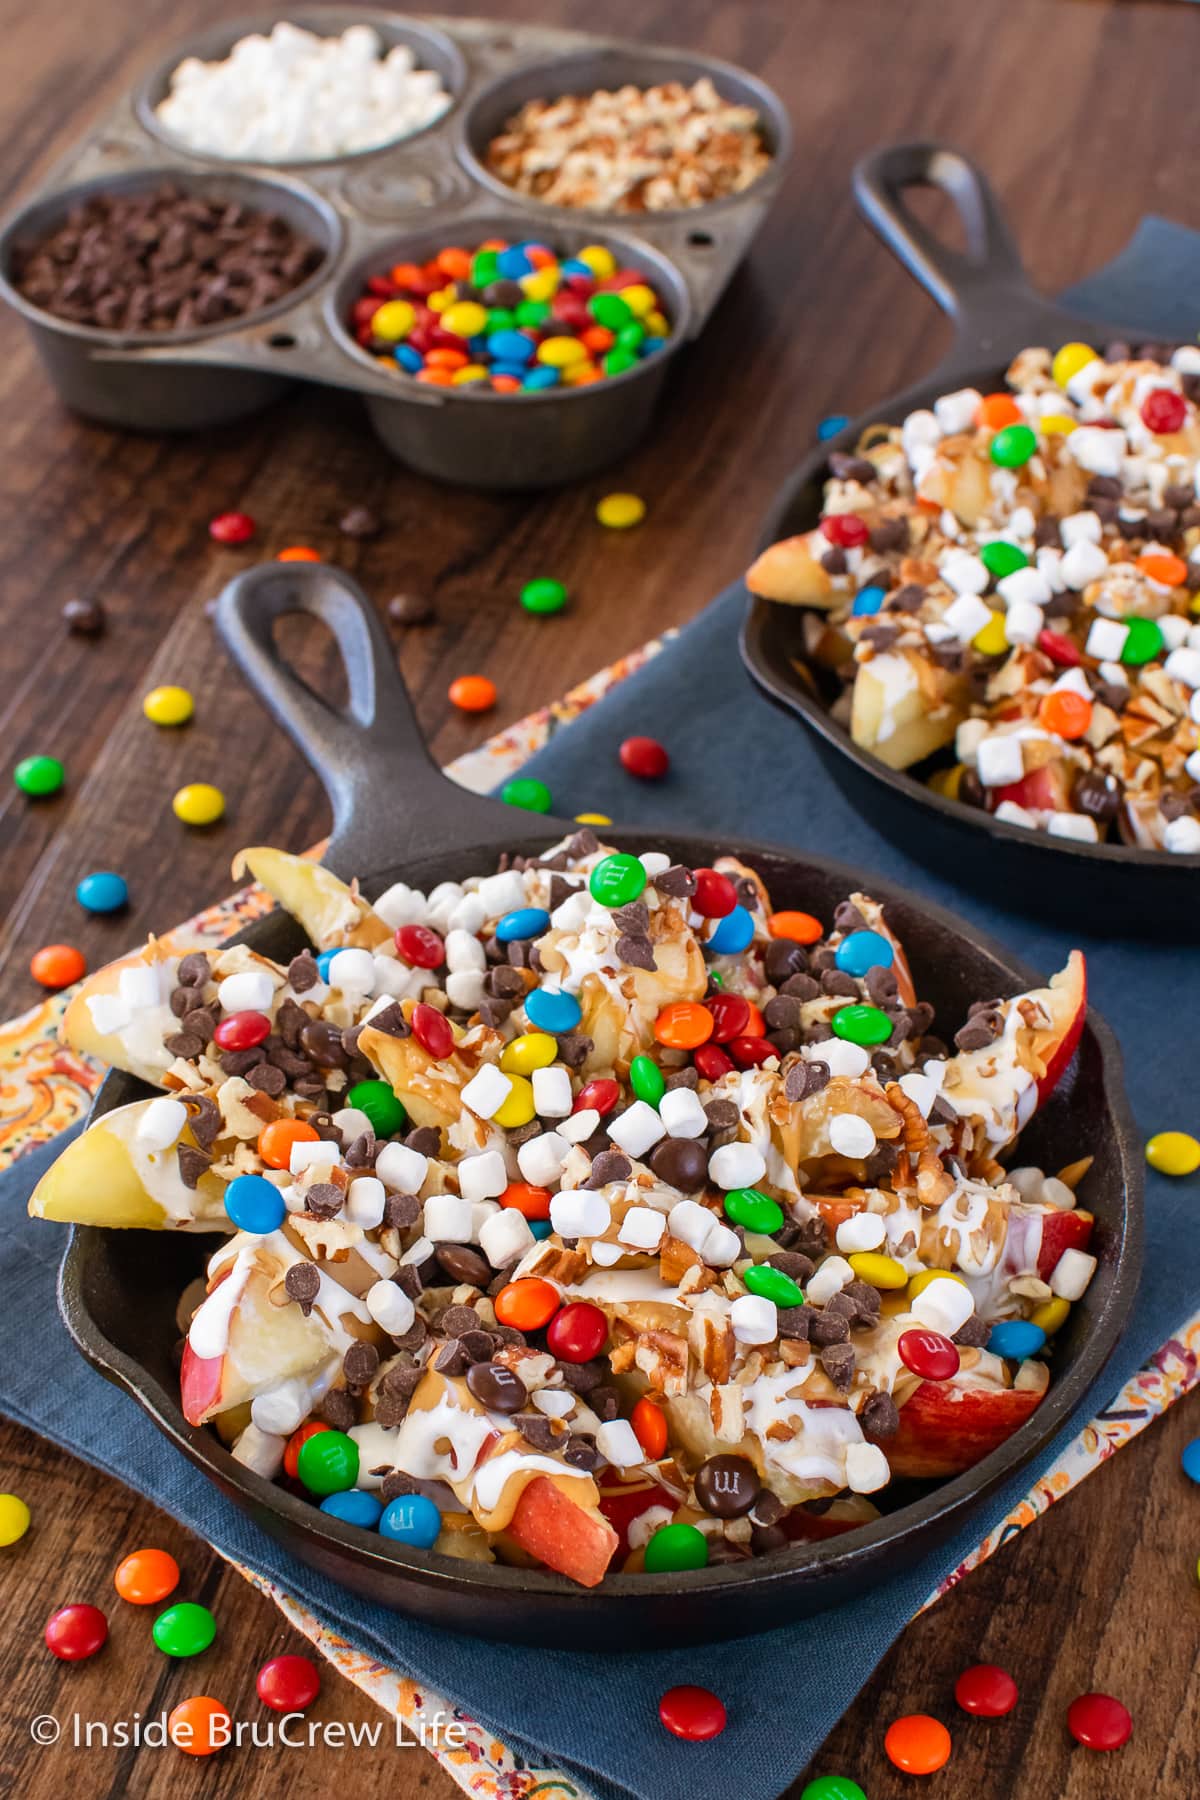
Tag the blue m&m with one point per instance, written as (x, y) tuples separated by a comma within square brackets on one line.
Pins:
[(552, 1011), (525, 922), (102, 892), (412, 1519), (831, 425), (867, 602), (864, 950), (734, 933), (354, 1506), (1191, 1460), (410, 360), (1015, 1339), (323, 962), (255, 1204)]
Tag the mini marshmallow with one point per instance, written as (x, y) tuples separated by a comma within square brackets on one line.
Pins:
[(401, 1169), (1072, 1272), (580, 1126), (964, 573), (1028, 1183), (1077, 826), (1098, 449), (1182, 837), (999, 761), (441, 903), (283, 1409), (828, 1279), (465, 989), (353, 971), (556, 1403), (571, 914), (365, 1201), (920, 1090), (945, 1306), (1184, 666), (1186, 360), (161, 1123), (841, 1057), (391, 1308), (394, 980), (654, 862), (1084, 562), (580, 1213), (401, 905), (968, 738), (851, 1136), (447, 1218), (313, 1155), (1106, 639), (606, 1255), (138, 986), (504, 1236), (487, 1091), (867, 1468), (1192, 766), (481, 1212), (1027, 584), (1072, 681), (690, 1223), (1009, 813), (1080, 528), (1049, 561), (352, 1123), (1056, 1193), (920, 430), (722, 1246), (736, 1166), (754, 1320), (260, 1451), (418, 1252), (682, 1114), (541, 1159), (637, 1129), (467, 915), (956, 412), (862, 1231), (642, 1228), (552, 1095), (464, 951), (480, 1177), (617, 1443), (967, 617), (1023, 622), (250, 991), (502, 893)]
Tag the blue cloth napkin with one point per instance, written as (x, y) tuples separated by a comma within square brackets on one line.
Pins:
[(741, 767)]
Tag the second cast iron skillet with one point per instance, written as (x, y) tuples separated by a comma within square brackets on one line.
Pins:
[(397, 817), (987, 293)]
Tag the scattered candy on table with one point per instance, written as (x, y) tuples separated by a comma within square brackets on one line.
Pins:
[(592, 818), (199, 803), (185, 1629), (918, 1744), (146, 1576), (168, 706), (410, 609), (511, 318), (472, 693), (232, 528), (57, 965), (1099, 1722), (620, 511), (833, 1787), (644, 757), (14, 1519), (298, 553), (1190, 1460), (1173, 1153), (75, 1632), (526, 791), (199, 1726), (986, 1690), (831, 425), (102, 892), (543, 595), (39, 776), (84, 618), (692, 1713), (288, 1683)]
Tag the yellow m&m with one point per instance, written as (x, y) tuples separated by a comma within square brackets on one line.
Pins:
[(533, 1050), (619, 511), (991, 639), (1051, 1315), (518, 1109), (199, 803), (878, 1271), (168, 706), (1173, 1153), (14, 1519), (923, 1277), (1069, 360)]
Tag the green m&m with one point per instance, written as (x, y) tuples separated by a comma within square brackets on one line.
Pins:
[(753, 1211), (328, 1462), (1001, 558), (543, 595), (1013, 447), (647, 1080), (861, 1025), (39, 776), (1144, 643), (524, 790), (674, 1547), (833, 1787), (772, 1284), (617, 880), (185, 1629), (376, 1099)]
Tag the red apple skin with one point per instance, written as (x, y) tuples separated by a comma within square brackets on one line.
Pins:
[(1062, 1231), (1042, 790), (846, 1514), (1074, 987), (945, 1429), (623, 1502), (199, 1385), (566, 1537)]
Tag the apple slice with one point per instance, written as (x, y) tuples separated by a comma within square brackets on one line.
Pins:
[(905, 707), (563, 1535), (1062, 1231), (945, 1428), (1042, 790), (789, 572), (330, 912), (121, 1014), (844, 1514), (105, 1177)]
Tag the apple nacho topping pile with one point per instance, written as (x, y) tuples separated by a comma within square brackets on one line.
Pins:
[(1018, 574), (593, 1212)]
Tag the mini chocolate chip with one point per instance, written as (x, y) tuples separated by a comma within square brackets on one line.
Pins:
[(828, 1328), (413, 1338), (401, 1210), (794, 1322), (865, 1300), (582, 1378), (677, 882), (888, 535), (722, 1114), (833, 560), (410, 609), (391, 1021), (581, 1452), (360, 1364), (880, 984), (846, 917), (463, 1264), (323, 1042), (192, 1164), (978, 1032), (782, 1013), (1104, 487), (792, 1263), (303, 972), (204, 1118), (451, 1359), (401, 1378), (837, 982), (880, 1417), (782, 959), (361, 1153), (302, 1283), (426, 1140), (85, 618), (407, 1277), (605, 1402), (1046, 533), (806, 1078), (574, 1049), (636, 953), (478, 1346), (766, 1539), (537, 1430), (194, 970), (339, 1410), (851, 468), (390, 1410), (906, 599), (457, 1319), (837, 1360), (267, 1079), (583, 843), (495, 1386), (633, 918), (324, 1200), (811, 1237), (974, 1334), (182, 1043)]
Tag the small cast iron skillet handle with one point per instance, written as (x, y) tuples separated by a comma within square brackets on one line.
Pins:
[(391, 803), (985, 288)]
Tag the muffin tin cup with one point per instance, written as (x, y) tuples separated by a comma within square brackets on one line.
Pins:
[(373, 207)]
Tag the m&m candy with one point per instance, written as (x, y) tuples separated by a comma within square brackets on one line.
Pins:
[(649, 1427), (199, 803), (527, 1304), (146, 1576), (733, 934), (185, 1629), (676, 1547), (298, 553), (647, 1080), (754, 1212), (715, 894), (328, 1462), (376, 1099), (918, 1744), (1012, 447), (14, 1519), (353, 1506), (525, 922), (928, 1354), (1173, 1153), (692, 1713), (1015, 1339), (472, 693), (577, 1332), (412, 1519), (833, 1787), (863, 951), (797, 927), (644, 757), (76, 1632), (552, 1010), (526, 791), (1099, 1721), (39, 776), (200, 1725), (543, 595), (620, 511), (683, 1025), (232, 528), (1190, 1461), (986, 1690), (276, 1139), (102, 892), (255, 1204), (168, 706), (288, 1683), (616, 880), (57, 965), (830, 425)]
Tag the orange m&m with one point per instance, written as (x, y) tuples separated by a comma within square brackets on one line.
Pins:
[(199, 1726), (297, 1441), (454, 262), (527, 1304), (918, 1744), (299, 553), (530, 1201), (1168, 570), (57, 965), (276, 1139), (146, 1577), (1065, 713), (683, 1025), (472, 693), (800, 927), (995, 411), (649, 1428)]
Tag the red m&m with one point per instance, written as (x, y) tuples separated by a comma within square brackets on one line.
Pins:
[(231, 528), (1099, 1721), (578, 1332), (928, 1354), (644, 757), (715, 894), (731, 1015), (75, 1632), (242, 1031), (420, 947), (432, 1030), (602, 1093), (846, 530), (986, 1690), (692, 1713), (288, 1683)]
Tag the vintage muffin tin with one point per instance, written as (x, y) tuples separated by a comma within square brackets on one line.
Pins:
[(377, 207)]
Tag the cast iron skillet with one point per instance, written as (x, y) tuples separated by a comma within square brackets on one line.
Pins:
[(395, 815), (986, 292)]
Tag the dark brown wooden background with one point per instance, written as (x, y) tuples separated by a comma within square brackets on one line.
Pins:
[(1084, 113)]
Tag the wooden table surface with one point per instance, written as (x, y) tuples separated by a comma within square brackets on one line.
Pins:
[(1083, 112)]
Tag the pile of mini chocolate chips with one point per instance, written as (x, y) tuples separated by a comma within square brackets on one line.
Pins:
[(162, 260)]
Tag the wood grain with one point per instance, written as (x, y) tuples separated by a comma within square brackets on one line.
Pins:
[(1102, 1592)]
